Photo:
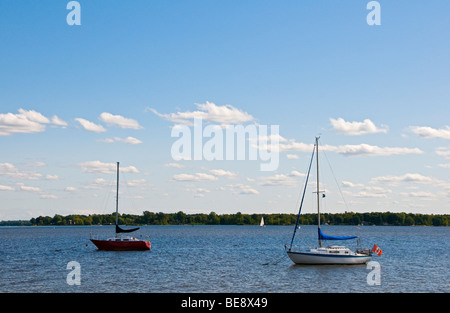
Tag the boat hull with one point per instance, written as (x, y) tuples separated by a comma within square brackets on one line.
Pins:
[(108, 245), (324, 259)]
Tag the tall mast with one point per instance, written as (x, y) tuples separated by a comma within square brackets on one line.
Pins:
[(117, 196), (318, 195)]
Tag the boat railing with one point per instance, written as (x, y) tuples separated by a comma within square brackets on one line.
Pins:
[(141, 237)]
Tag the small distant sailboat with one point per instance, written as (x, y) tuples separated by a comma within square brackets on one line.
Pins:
[(262, 222), (121, 243), (329, 254)]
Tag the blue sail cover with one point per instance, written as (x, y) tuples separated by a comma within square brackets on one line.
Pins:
[(322, 236)]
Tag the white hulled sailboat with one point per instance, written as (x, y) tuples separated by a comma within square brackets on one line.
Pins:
[(328, 254)]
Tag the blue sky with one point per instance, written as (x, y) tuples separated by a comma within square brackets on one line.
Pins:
[(378, 96)]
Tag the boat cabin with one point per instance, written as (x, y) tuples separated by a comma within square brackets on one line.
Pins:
[(123, 239), (340, 250)]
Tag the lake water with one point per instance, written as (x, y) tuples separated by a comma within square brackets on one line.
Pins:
[(212, 259)]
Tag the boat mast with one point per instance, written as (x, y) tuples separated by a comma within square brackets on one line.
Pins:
[(117, 196), (318, 196)]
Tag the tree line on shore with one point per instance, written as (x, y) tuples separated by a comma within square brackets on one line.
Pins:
[(181, 218)]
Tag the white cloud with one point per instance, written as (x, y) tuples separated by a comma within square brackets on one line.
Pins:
[(349, 150), (10, 170), (292, 156), (350, 184), (35, 164), (295, 146), (408, 178), (70, 189), (194, 177), (28, 188), (25, 122), (136, 182), (120, 121), (365, 194), (220, 172), (87, 125), (48, 196), (6, 188), (57, 121), (240, 189), (209, 111), (99, 183), (246, 189), (128, 140), (176, 165), (281, 179), (429, 132), (51, 177), (356, 128), (34, 116), (198, 192), (443, 151), (418, 194), (104, 168), (366, 191), (369, 150)]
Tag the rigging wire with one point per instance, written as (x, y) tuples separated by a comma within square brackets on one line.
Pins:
[(337, 184)]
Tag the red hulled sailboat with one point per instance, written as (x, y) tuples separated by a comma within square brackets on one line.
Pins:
[(120, 242)]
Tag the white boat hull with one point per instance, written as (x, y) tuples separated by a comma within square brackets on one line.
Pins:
[(324, 257)]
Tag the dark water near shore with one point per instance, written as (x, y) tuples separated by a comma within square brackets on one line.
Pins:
[(228, 259)]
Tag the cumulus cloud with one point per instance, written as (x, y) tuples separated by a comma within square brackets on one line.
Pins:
[(429, 132), (365, 194), (90, 126), (349, 150), (104, 168), (10, 170), (194, 177), (26, 122), (48, 196), (198, 192), (57, 121), (290, 179), (6, 188), (23, 187), (443, 151), (127, 140), (213, 176), (209, 111), (369, 150), (350, 184), (292, 145), (418, 194), (136, 182), (120, 121), (35, 164), (240, 189), (408, 178), (51, 177), (176, 165), (220, 172), (356, 128)]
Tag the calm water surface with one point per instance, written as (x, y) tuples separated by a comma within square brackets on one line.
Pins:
[(219, 259)]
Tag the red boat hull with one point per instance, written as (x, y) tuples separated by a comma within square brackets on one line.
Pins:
[(109, 245)]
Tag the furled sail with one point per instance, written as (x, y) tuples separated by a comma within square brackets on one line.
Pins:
[(322, 236), (121, 230)]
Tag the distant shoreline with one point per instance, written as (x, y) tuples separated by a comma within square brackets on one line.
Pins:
[(181, 218)]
